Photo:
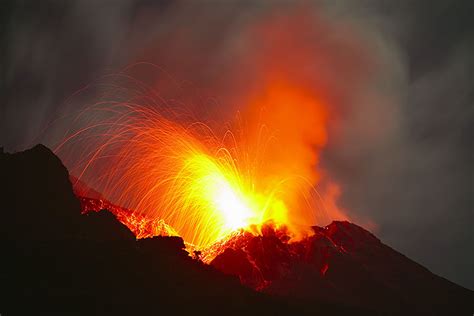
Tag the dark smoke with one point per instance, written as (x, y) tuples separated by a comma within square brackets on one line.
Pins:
[(403, 150)]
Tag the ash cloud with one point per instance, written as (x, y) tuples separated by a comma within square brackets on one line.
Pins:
[(417, 184), (402, 148)]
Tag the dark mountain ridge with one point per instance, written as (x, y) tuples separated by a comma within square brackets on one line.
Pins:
[(57, 261), (340, 263)]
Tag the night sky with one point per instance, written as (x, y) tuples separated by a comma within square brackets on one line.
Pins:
[(404, 153)]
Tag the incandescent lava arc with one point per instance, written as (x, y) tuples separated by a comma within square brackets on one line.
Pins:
[(201, 179)]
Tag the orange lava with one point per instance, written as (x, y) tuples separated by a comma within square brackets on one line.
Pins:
[(205, 186), (206, 181)]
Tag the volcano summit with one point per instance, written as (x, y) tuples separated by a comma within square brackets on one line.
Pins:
[(57, 261)]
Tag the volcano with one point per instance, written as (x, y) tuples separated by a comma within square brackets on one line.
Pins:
[(69, 254)]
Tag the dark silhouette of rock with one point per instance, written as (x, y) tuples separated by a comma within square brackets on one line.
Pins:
[(103, 226), (55, 261), (38, 202)]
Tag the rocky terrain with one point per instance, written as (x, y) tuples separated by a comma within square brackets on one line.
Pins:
[(56, 259)]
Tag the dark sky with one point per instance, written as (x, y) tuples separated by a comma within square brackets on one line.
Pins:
[(414, 180)]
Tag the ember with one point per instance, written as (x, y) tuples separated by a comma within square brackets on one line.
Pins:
[(181, 177)]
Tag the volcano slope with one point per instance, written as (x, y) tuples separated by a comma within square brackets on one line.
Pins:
[(57, 261)]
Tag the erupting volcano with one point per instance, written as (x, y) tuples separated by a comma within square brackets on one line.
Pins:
[(230, 157), (204, 181)]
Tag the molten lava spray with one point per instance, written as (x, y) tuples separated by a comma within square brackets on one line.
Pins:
[(207, 179), (204, 185)]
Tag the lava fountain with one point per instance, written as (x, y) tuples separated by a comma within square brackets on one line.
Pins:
[(206, 184), (208, 176)]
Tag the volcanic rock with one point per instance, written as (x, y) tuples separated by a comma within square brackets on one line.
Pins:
[(37, 198), (341, 263), (58, 259)]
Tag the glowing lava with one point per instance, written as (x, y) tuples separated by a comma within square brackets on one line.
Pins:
[(213, 192), (183, 175), (168, 168), (210, 187)]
